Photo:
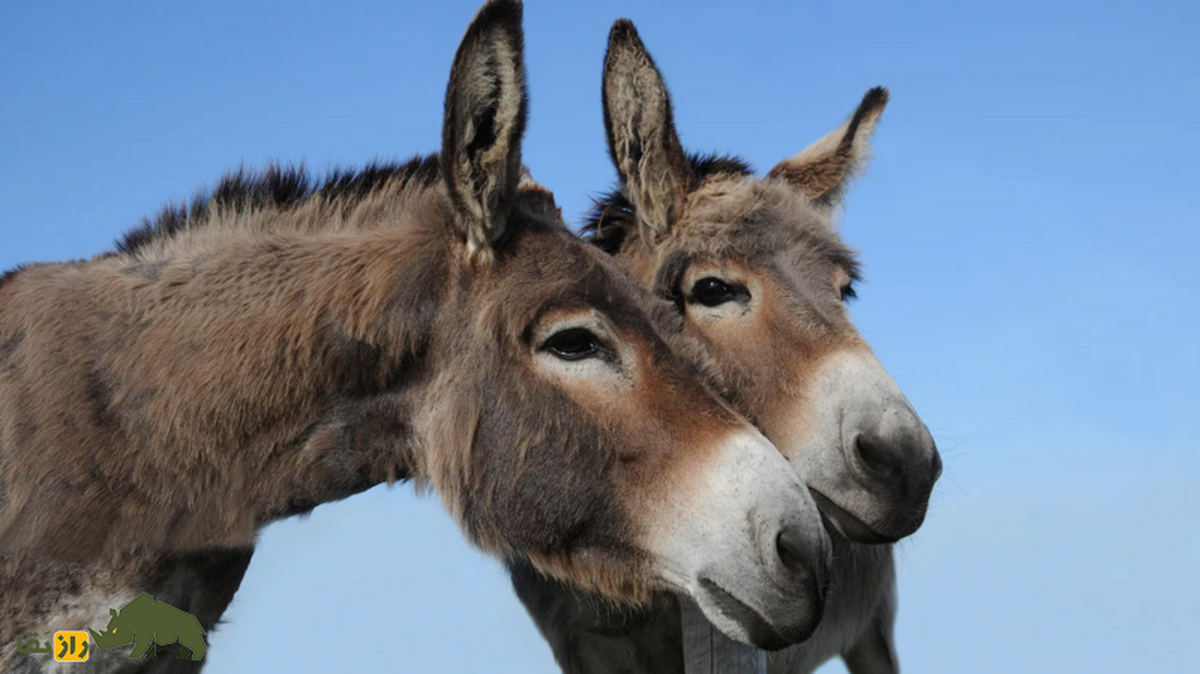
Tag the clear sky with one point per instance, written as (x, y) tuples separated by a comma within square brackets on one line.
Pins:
[(1029, 225)]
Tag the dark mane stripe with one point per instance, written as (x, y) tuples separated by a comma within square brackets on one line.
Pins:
[(706, 165), (10, 273), (612, 215), (277, 188)]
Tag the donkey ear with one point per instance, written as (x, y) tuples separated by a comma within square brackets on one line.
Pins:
[(485, 120), (824, 169), (640, 127)]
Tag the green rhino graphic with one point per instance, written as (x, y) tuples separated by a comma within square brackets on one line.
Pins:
[(151, 622)]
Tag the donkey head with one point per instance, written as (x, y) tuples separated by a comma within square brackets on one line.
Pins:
[(566, 426), (755, 266)]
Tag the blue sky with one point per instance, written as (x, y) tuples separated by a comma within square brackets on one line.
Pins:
[(1029, 226)]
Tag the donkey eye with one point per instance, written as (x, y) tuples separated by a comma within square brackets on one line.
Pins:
[(847, 292), (574, 344), (712, 292)]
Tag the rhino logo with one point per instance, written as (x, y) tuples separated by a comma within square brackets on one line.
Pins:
[(150, 622)]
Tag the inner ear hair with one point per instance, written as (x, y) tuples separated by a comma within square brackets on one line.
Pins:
[(486, 109), (640, 128), (825, 169)]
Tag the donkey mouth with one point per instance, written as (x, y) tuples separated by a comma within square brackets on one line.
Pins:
[(761, 633), (838, 520)]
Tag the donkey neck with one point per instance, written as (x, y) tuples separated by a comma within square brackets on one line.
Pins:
[(199, 395)]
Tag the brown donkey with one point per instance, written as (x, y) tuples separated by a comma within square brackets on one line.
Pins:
[(756, 268), (283, 344)]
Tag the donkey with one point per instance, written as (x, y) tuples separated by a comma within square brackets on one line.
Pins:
[(284, 343), (757, 269)]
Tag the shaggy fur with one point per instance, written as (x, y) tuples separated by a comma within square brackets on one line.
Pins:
[(675, 220), (283, 342)]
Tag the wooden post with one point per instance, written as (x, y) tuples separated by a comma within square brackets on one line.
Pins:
[(707, 651)]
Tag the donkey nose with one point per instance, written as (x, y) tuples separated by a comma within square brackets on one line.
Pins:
[(904, 462), (806, 561)]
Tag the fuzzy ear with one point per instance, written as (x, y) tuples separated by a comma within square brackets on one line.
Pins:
[(640, 127), (824, 169), (485, 119)]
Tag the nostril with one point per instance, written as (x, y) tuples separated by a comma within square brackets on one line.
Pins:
[(935, 469), (807, 560), (792, 551), (875, 454)]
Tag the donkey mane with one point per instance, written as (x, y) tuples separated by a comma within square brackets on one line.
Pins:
[(613, 215), (6, 275), (279, 188)]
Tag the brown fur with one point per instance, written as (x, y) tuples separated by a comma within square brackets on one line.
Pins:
[(773, 241), (757, 234), (282, 344)]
